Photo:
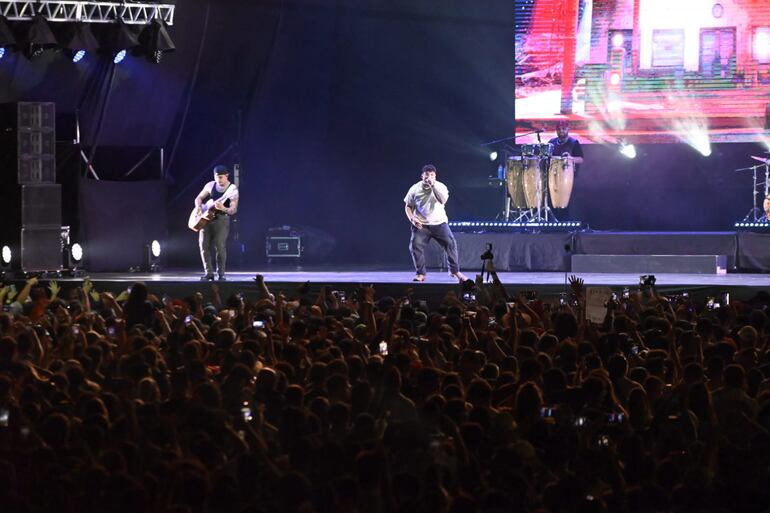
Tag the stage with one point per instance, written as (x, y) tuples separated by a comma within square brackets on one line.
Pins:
[(524, 261), (395, 283)]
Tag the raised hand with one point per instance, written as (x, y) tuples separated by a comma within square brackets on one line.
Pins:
[(576, 284), (54, 288)]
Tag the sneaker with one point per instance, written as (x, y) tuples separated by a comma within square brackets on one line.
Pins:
[(207, 277), (221, 277), (460, 276), (419, 277)]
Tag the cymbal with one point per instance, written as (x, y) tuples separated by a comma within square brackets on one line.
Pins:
[(761, 159)]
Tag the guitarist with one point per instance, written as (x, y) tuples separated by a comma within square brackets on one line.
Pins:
[(216, 231)]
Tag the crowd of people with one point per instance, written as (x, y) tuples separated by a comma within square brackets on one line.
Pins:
[(323, 402)]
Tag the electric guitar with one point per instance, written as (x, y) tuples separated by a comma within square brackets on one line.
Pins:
[(208, 211)]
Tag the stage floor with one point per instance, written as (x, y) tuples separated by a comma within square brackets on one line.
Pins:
[(440, 278), (388, 281)]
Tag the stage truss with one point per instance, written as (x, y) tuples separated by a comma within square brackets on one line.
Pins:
[(88, 12)]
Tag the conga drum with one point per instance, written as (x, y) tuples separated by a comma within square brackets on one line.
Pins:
[(561, 175), (532, 181), (514, 171)]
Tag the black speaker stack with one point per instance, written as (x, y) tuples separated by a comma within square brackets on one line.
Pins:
[(41, 197)]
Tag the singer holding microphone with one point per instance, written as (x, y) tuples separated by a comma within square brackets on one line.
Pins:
[(424, 207)]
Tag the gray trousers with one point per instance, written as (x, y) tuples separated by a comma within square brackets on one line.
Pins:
[(214, 236)]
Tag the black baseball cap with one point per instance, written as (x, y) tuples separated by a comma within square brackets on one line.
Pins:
[(221, 170), (427, 168)]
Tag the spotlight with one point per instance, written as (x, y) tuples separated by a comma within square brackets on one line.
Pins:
[(156, 41), (153, 256), (76, 257), (493, 156), (618, 40), (122, 40), (79, 41), (5, 258), (2, 52), (614, 78), (628, 150)]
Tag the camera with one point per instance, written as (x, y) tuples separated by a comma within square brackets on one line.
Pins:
[(724, 298), (258, 324), (531, 295), (546, 412), (626, 293), (646, 281), (580, 421), (188, 320), (563, 298), (615, 418), (635, 349), (339, 294), (712, 303), (603, 441), (469, 298), (383, 348)]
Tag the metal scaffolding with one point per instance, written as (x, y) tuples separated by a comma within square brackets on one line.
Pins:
[(88, 12)]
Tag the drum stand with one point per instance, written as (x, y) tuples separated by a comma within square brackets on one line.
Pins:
[(543, 212), (756, 214)]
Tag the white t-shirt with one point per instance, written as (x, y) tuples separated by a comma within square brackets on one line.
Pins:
[(427, 209)]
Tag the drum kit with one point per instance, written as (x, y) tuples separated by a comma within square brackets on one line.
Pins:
[(536, 181), (761, 187)]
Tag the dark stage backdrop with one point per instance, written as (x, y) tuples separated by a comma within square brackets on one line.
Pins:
[(332, 107), (118, 220)]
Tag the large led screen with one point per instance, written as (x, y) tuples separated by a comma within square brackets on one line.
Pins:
[(695, 71)]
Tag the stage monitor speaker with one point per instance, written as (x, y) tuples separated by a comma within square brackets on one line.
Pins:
[(41, 249), (41, 206)]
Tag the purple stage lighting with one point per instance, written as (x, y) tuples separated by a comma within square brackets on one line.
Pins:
[(78, 56), (119, 57)]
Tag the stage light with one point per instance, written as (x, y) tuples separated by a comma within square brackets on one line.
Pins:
[(493, 156), (614, 78), (122, 40), (156, 41), (79, 41), (153, 256), (39, 37), (628, 150), (77, 253), (2, 52), (618, 40), (6, 257)]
